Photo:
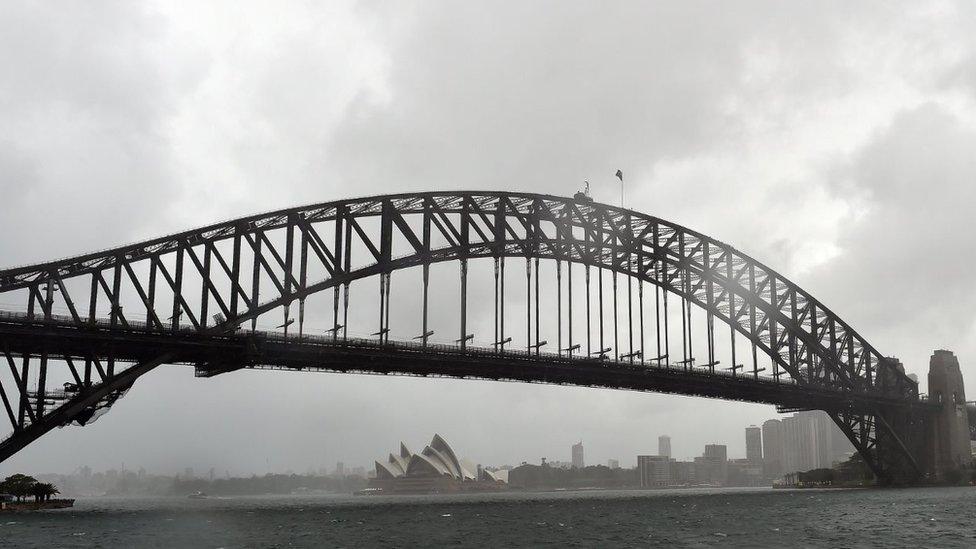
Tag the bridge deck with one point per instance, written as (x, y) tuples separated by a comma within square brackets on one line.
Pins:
[(216, 353)]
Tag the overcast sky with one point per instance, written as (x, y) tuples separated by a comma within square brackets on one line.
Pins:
[(835, 141)]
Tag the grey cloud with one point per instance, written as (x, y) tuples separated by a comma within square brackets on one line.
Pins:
[(83, 96), (904, 273)]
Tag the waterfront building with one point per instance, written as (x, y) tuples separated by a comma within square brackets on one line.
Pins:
[(664, 446), (435, 469), (654, 471), (745, 472), (754, 450), (703, 471), (682, 472), (712, 466), (578, 455), (613, 464)]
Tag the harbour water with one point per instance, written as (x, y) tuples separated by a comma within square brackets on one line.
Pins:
[(925, 517)]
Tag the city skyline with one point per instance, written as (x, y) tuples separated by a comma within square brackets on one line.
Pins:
[(622, 460)]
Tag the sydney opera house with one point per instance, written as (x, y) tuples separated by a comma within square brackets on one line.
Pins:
[(435, 469)]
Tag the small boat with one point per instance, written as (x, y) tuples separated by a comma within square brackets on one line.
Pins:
[(197, 495), (368, 492)]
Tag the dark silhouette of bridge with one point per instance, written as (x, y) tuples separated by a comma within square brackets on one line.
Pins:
[(81, 330)]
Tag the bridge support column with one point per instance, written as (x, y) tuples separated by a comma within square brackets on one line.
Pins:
[(947, 442)]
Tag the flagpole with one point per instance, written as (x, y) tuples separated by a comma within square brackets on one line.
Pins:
[(620, 176)]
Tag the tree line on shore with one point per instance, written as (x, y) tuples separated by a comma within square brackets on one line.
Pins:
[(267, 484), (23, 486)]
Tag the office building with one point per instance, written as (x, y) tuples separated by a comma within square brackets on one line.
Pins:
[(664, 446), (654, 471), (712, 466), (716, 451), (578, 455), (811, 440), (745, 472), (682, 472), (613, 464), (754, 450), (773, 445)]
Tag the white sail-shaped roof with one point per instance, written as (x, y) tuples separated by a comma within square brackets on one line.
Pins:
[(386, 471), (421, 465), (442, 447), (436, 459), (443, 460), (398, 463), (467, 466)]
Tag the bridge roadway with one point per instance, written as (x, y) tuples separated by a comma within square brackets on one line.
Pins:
[(215, 353)]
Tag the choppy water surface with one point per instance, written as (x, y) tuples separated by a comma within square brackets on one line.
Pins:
[(685, 518)]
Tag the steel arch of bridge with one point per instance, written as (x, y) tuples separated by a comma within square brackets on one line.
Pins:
[(808, 344)]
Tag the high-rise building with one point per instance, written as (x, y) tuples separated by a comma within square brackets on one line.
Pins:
[(796, 445), (664, 446), (340, 469), (613, 464), (578, 455), (654, 471), (754, 451), (772, 434), (823, 440), (810, 441)]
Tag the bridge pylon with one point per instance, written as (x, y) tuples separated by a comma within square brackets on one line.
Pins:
[(947, 441)]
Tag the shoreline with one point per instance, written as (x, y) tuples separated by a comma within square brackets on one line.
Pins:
[(14, 506)]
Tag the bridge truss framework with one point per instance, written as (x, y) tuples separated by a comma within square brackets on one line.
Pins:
[(209, 287)]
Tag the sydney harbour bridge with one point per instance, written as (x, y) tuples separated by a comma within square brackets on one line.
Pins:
[(634, 302)]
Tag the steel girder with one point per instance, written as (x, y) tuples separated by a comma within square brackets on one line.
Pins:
[(261, 264)]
